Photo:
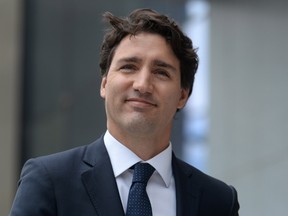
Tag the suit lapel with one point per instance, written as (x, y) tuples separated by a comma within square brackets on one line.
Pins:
[(187, 192), (99, 181)]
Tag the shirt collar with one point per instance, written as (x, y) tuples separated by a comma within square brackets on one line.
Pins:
[(123, 158)]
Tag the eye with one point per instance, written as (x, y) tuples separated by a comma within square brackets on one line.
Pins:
[(128, 68), (162, 73)]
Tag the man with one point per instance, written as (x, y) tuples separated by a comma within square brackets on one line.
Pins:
[(148, 67)]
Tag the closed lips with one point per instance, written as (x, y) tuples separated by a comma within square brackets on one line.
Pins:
[(140, 100)]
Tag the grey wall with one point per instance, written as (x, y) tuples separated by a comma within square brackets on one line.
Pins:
[(10, 30), (249, 120)]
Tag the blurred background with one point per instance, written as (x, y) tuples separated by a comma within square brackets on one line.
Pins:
[(234, 127)]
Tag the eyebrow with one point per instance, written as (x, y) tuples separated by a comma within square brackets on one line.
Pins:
[(156, 62), (129, 59), (163, 64)]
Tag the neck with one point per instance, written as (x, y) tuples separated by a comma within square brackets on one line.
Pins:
[(145, 146)]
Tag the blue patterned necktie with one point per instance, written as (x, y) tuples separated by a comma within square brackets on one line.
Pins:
[(138, 200)]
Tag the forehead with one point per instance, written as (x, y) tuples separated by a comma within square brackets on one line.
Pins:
[(146, 47)]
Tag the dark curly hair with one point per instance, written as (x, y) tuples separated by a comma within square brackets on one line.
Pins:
[(147, 20)]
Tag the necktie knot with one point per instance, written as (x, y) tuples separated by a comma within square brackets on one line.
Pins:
[(142, 172)]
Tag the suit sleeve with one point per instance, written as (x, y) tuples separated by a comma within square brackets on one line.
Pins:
[(35, 193), (235, 204)]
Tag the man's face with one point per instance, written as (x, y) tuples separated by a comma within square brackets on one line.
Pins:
[(142, 89)]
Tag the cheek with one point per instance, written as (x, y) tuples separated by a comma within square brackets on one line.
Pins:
[(171, 100), (112, 91)]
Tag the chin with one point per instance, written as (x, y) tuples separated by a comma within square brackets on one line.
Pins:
[(140, 125)]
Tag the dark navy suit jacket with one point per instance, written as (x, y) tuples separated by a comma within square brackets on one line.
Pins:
[(80, 181)]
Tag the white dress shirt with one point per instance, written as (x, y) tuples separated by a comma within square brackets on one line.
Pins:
[(160, 187)]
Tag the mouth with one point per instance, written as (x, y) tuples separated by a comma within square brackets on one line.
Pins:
[(140, 102)]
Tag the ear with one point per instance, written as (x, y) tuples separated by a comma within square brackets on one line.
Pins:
[(183, 98), (103, 87)]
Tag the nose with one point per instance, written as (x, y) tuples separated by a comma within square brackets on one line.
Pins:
[(143, 82)]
